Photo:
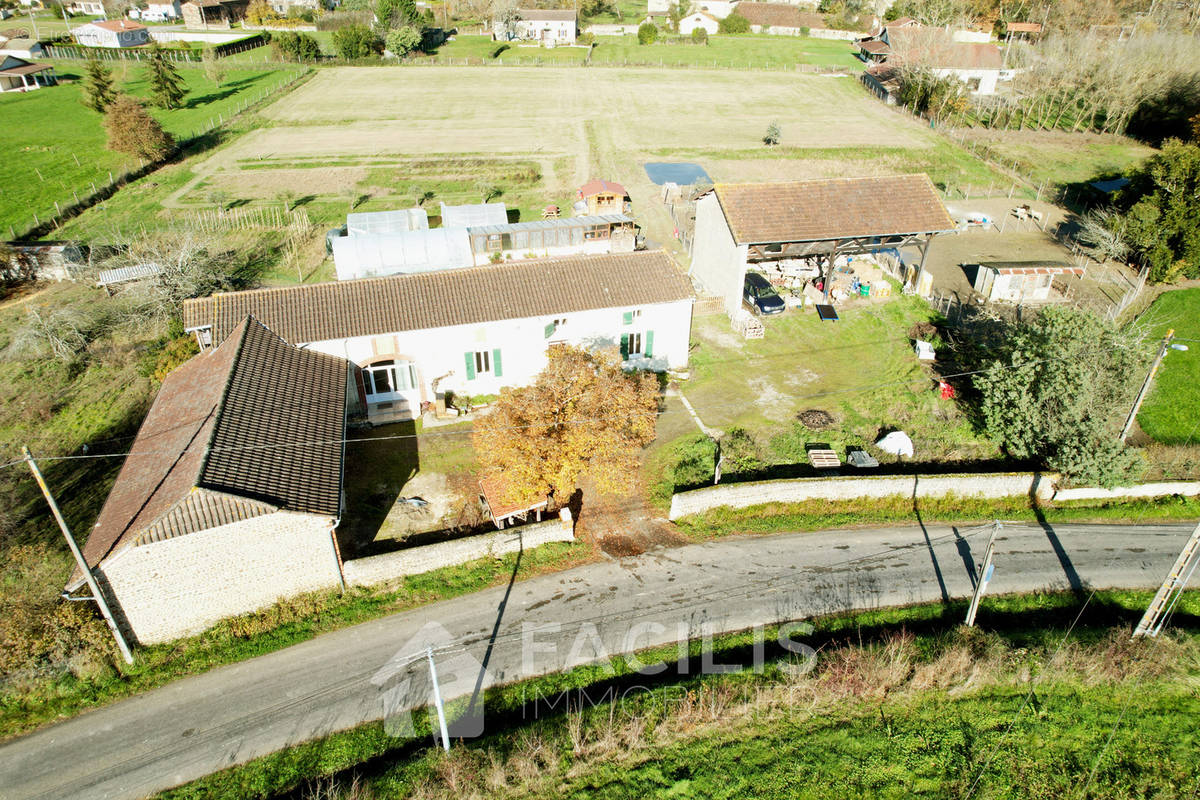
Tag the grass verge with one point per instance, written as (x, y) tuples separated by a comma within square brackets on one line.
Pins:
[(1171, 413), (899, 701)]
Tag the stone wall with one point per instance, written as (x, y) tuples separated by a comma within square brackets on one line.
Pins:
[(742, 495), (415, 560), (180, 586)]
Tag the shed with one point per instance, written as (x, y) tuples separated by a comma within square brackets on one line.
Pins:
[(19, 75), (699, 21), (605, 197), (503, 512), (1019, 281)]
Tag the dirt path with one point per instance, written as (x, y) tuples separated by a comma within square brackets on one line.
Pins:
[(622, 525)]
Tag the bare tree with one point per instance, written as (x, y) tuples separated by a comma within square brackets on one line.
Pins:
[(1102, 233)]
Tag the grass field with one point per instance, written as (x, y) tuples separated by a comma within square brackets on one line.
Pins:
[(1058, 157), (56, 145), (895, 703), (1171, 413), (373, 136)]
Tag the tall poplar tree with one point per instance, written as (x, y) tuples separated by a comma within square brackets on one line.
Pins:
[(165, 84)]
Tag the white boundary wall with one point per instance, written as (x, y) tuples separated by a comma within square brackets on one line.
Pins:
[(988, 485), (415, 560)]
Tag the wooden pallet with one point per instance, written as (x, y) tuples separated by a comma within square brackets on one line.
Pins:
[(824, 459)]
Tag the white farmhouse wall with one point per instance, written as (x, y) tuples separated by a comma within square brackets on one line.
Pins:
[(183, 585), (209, 37), (718, 8), (979, 37), (691, 23), (658, 6), (522, 345), (548, 31), (717, 261), (987, 78), (415, 560)]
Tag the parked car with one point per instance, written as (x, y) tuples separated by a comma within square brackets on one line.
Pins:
[(761, 297)]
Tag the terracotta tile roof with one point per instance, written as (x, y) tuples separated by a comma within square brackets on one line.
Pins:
[(515, 290), (253, 426), (779, 15), (1031, 268), (495, 488), (935, 47), (119, 25), (807, 211), (552, 15), (608, 187), (874, 46)]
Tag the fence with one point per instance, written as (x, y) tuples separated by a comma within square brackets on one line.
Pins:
[(247, 217), (537, 61), (83, 198), (189, 55)]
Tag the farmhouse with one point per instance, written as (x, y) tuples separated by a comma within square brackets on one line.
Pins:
[(549, 27), (603, 197), (978, 65), (90, 8), (700, 20), (758, 226), (231, 492), (472, 331), (112, 33), (19, 75), (158, 11), (779, 18), (221, 14), (1019, 281)]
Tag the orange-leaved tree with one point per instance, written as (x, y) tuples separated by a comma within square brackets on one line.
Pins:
[(583, 415)]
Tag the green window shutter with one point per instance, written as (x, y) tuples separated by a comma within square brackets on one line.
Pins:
[(628, 318), (496, 364), (648, 350), (550, 330), (470, 366), (624, 346)]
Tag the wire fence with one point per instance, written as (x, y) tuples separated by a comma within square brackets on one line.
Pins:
[(86, 196)]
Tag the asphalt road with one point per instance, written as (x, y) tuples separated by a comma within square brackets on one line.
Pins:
[(375, 670)]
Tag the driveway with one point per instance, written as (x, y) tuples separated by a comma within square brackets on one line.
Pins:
[(235, 713)]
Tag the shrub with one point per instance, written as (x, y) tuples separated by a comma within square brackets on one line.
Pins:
[(356, 41), (587, 39), (740, 453), (771, 137), (402, 41), (734, 23), (699, 36), (647, 33), (133, 131), (296, 46), (690, 463), (805, 31)]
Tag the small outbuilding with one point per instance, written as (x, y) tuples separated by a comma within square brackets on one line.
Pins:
[(604, 197), (115, 33), (19, 75), (700, 20), (1020, 281)]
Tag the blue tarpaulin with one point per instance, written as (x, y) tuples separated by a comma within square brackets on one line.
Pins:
[(681, 173)]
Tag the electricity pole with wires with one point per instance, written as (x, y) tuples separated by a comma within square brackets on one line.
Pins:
[(985, 574), (1172, 587), (83, 566)]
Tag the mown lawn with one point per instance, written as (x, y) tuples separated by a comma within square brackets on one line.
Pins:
[(1171, 413), (737, 52), (55, 145)]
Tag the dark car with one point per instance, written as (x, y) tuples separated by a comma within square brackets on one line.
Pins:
[(761, 297)]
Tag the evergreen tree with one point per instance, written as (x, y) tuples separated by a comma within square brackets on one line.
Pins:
[(165, 84), (98, 92), (133, 131)]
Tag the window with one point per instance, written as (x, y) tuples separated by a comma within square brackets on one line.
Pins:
[(629, 316), (635, 344), (482, 362), (495, 243), (389, 377), (554, 325)]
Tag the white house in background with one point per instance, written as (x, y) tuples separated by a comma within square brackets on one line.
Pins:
[(978, 65), (158, 12), (231, 492), (700, 19), (472, 331), (549, 27), (91, 8), (717, 8), (112, 33)]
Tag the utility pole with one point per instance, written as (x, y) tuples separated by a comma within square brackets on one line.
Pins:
[(33, 23), (985, 574), (437, 700), (87, 571), (1172, 587), (1158, 359)]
